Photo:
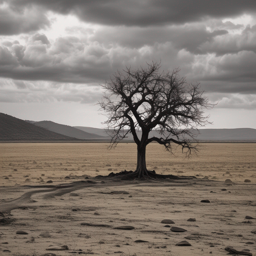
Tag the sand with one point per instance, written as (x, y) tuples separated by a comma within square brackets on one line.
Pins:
[(52, 203)]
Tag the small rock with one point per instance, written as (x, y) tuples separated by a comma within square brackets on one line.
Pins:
[(49, 181), (58, 248), (84, 235), (6, 221), (247, 180), (249, 243), (231, 250), (125, 227), (205, 201), (95, 225), (91, 181), (31, 240), (96, 213), (249, 218), (192, 237), (224, 189), (140, 241), (191, 219), (228, 182), (183, 243), (247, 222), (177, 229), (167, 221), (21, 232), (167, 226), (254, 231), (119, 192), (45, 234), (73, 194)]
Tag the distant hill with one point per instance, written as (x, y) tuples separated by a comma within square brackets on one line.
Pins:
[(239, 134), (14, 129), (97, 131), (67, 130), (211, 135)]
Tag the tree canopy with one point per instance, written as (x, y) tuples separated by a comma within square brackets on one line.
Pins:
[(148, 99)]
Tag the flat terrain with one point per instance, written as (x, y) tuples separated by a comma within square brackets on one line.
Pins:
[(87, 215)]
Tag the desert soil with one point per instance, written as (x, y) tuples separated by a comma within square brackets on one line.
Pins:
[(52, 204)]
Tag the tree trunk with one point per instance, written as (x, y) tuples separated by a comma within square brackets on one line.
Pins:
[(141, 169)]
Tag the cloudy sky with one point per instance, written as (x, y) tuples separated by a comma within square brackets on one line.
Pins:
[(54, 55)]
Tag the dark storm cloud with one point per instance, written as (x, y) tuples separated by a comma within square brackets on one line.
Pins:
[(72, 60), (234, 73), (39, 60), (13, 21), (181, 34), (144, 13), (236, 68)]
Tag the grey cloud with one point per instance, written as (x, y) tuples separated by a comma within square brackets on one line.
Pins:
[(20, 84), (18, 51), (68, 44), (233, 101), (225, 86), (87, 62), (6, 58), (40, 38), (230, 25), (36, 91), (13, 21), (231, 43), (144, 13), (72, 60), (232, 73), (38, 61), (236, 68), (189, 36)]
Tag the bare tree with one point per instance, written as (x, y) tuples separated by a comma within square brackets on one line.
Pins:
[(148, 99)]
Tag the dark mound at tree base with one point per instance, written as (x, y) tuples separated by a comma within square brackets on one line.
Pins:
[(131, 175)]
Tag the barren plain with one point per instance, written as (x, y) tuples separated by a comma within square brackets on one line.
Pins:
[(52, 204)]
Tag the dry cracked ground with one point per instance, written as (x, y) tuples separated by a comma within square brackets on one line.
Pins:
[(60, 208)]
